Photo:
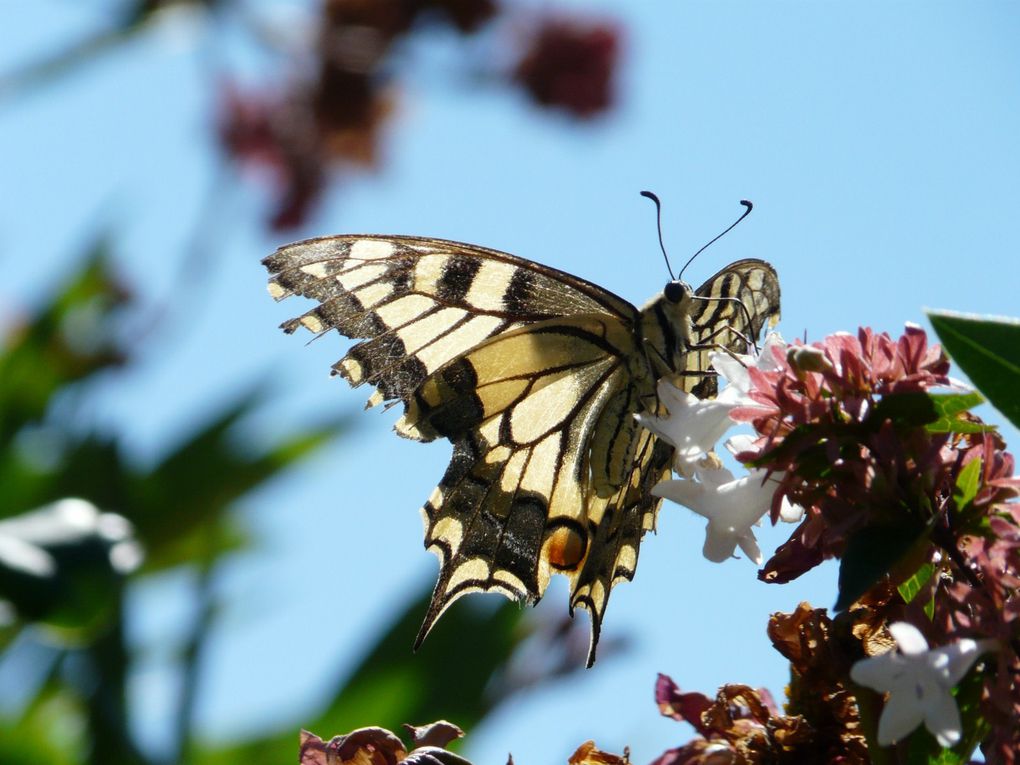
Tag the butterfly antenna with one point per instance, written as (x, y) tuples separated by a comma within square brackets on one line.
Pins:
[(658, 223), (746, 212)]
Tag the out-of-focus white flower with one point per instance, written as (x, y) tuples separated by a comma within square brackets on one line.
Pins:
[(24, 538), (918, 681), (25, 557)]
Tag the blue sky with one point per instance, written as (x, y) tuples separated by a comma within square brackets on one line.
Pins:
[(877, 140)]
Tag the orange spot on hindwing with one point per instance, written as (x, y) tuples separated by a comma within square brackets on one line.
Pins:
[(566, 544)]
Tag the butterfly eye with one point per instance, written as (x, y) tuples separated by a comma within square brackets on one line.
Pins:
[(675, 291)]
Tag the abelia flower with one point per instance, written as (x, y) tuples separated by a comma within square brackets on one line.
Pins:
[(846, 429), (589, 754), (741, 726), (693, 425), (731, 505), (273, 135), (466, 15), (735, 368), (918, 681), (330, 116), (788, 512)]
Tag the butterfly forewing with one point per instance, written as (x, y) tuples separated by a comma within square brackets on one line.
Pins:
[(534, 376), (420, 302)]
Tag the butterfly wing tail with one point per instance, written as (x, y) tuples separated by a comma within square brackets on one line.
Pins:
[(621, 522)]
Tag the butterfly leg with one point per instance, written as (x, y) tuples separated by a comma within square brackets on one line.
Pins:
[(717, 346)]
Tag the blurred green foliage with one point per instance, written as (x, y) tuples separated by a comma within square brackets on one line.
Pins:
[(64, 661), (62, 602)]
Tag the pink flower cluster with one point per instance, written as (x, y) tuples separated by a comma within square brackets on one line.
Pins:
[(843, 422), (851, 430)]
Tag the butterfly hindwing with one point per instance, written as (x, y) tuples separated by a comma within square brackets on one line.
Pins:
[(736, 304), (615, 539), (534, 376), (514, 505)]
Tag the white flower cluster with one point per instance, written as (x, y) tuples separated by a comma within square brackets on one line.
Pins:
[(733, 506)]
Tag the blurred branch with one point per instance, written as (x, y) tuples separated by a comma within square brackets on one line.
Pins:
[(40, 73), (108, 718), (191, 660), (135, 18), (193, 276)]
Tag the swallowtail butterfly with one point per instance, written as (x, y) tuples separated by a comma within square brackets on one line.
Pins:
[(533, 375)]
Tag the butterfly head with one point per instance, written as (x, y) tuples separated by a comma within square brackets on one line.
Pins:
[(676, 291)]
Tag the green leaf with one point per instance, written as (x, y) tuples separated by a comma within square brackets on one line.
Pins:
[(67, 340), (90, 467), (967, 484), (923, 749), (53, 733), (869, 555), (181, 506), (945, 757), (441, 678), (988, 351), (911, 587), (975, 727), (949, 408), (911, 409), (809, 445)]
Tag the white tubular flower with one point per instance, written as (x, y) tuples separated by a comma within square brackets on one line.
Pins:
[(918, 681), (742, 442), (731, 505), (693, 425)]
